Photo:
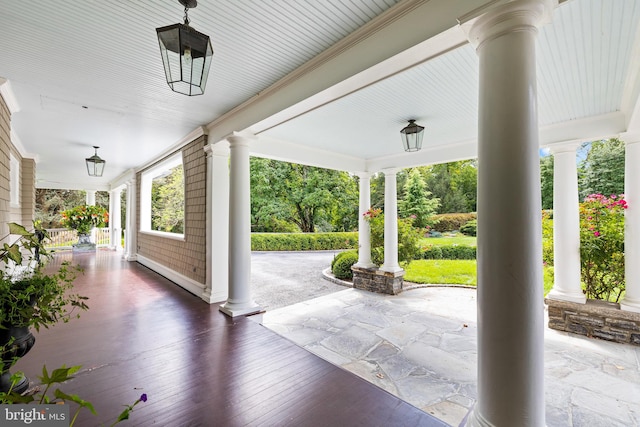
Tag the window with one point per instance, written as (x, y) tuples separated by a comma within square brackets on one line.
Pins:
[(14, 181), (162, 198)]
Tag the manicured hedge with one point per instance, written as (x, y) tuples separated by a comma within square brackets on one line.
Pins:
[(449, 252), (452, 221), (303, 241)]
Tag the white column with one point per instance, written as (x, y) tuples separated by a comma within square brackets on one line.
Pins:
[(390, 222), (631, 301), (217, 286), (90, 197), (510, 293), (566, 226), (239, 301), (131, 234), (364, 230), (115, 226)]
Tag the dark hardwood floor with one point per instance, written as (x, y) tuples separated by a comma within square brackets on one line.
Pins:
[(144, 334)]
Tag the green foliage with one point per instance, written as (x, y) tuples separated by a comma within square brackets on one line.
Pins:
[(602, 171), (439, 271), (303, 241), (34, 298), (50, 203), (452, 221), (454, 184), (59, 376), (306, 196), (470, 228), (167, 201), (448, 252), (602, 246), (547, 237), (546, 181), (341, 265), (408, 238), (83, 218), (417, 204)]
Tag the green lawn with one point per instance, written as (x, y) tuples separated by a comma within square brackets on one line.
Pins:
[(458, 239), (459, 272)]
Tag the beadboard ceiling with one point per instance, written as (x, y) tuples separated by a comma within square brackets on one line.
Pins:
[(89, 73)]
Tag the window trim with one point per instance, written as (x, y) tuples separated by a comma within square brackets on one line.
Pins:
[(14, 181), (146, 182)]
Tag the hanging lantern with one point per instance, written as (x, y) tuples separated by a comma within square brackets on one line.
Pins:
[(186, 55), (95, 165), (412, 136)]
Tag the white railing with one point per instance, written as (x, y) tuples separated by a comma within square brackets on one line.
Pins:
[(64, 238)]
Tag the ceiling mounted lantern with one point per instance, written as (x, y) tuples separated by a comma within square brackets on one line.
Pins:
[(95, 165), (412, 136), (186, 55)]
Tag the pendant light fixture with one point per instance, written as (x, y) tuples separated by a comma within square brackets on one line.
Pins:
[(186, 55), (412, 136), (95, 165)]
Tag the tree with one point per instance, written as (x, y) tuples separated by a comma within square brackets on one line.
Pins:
[(167, 201), (50, 203), (603, 168), (454, 184), (546, 181), (311, 198), (417, 202)]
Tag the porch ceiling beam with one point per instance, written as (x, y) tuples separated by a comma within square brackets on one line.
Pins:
[(320, 80)]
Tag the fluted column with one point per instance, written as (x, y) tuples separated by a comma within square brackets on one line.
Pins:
[(566, 226), (115, 223), (510, 294), (390, 222), (217, 286), (131, 231), (364, 229), (239, 301), (631, 300)]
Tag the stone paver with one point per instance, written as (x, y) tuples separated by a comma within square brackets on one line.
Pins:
[(421, 346)]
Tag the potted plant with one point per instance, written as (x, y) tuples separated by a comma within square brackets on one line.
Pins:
[(30, 297), (83, 218)]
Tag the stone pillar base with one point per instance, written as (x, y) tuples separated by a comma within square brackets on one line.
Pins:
[(84, 247), (376, 280), (597, 319)]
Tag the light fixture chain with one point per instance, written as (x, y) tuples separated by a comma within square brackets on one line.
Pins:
[(186, 15)]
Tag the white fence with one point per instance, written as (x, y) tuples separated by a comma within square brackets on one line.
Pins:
[(64, 238)]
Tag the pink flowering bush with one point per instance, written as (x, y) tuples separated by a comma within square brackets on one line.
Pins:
[(602, 246)]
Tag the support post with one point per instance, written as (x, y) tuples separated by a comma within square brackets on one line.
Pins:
[(364, 229), (390, 222), (631, 300)]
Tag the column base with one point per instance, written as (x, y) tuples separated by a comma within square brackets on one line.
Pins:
[(234, 310), (375, 280), (630, 304), (211, 297), (365, 265), (391, 268), (562, 296), (474, 419)]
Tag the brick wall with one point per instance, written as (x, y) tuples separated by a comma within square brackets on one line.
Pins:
[(186, 257)]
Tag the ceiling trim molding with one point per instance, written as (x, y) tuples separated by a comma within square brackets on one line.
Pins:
[(585, 129), (8, 96)]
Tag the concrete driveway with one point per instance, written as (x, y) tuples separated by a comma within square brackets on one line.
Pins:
[(279, 279)]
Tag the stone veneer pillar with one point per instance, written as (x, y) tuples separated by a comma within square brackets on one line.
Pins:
[(239, 301), (566, 226), (631, 301), (364, 230), (217, 285), (510, 303), (390, 222)]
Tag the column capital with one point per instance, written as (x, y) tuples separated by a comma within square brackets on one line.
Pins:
[(216, 150), (240, 138), (565, 147), (390, 171), (630, 137), (516, 15), (362, 174)]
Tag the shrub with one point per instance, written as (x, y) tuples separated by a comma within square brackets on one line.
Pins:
[(452, 221), (408, 238), (303, 241), (547, 237), (341, 265), (449, 252), (602, 246), (470, 228)]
